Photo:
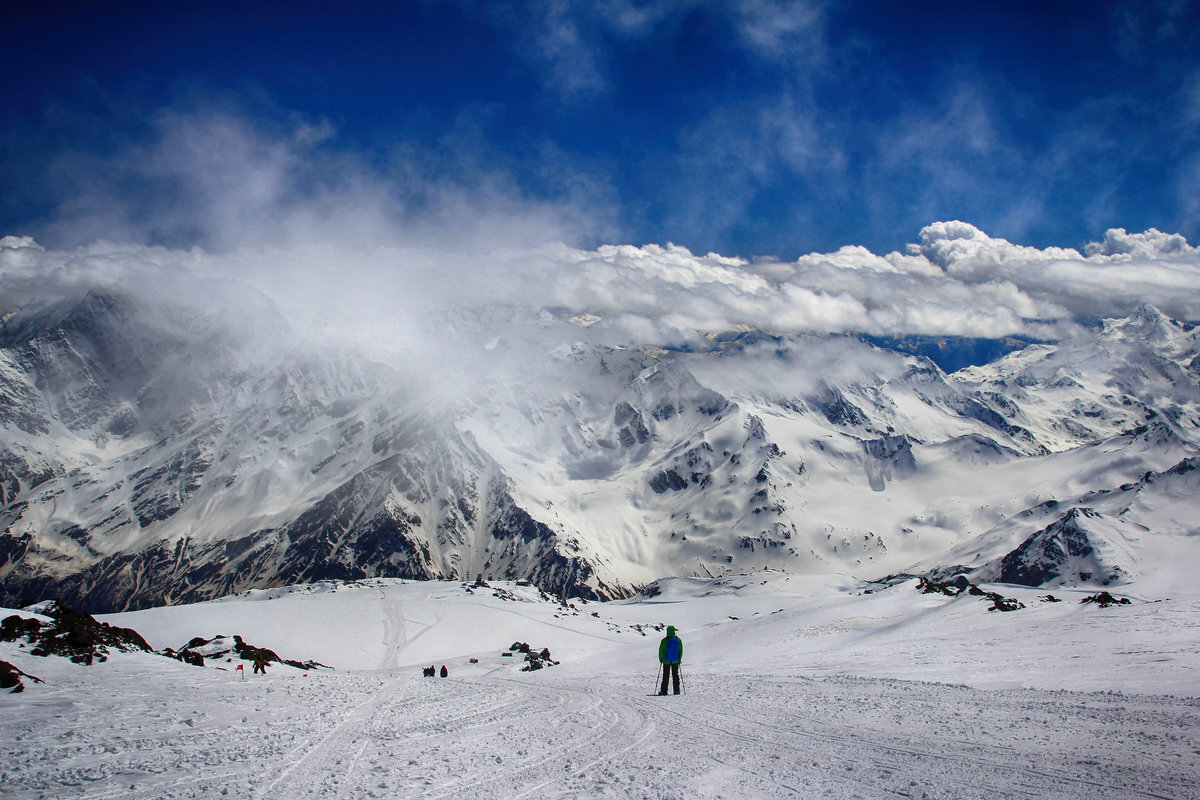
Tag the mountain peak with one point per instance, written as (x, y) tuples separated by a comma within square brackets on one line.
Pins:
[(1148, 314), (1150, 325)]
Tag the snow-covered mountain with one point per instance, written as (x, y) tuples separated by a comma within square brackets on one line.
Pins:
[(157, 452)]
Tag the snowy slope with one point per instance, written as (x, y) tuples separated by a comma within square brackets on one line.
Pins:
[(794, 687)]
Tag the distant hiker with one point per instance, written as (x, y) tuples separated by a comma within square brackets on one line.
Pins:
[(260, 665), (430, 672), (445, 672), (670, 653)]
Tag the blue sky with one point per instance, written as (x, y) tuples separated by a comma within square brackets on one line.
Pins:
[(747, 127)]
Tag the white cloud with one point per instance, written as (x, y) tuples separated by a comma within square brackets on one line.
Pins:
[(962, 249), (782, 30), (211, 174), (1118, 274), (456, 315), (391, 295), (575, 65), (570, 41), (19, 242), (955, 281), (404, 265), (1119, 244), (797, 368), (566, 41)]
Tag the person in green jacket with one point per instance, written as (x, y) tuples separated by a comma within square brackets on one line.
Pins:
[(670, 653)]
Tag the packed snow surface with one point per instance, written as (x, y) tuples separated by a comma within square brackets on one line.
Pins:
[(794, 686)]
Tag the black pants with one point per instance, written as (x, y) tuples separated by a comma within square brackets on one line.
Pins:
[(669, 671)]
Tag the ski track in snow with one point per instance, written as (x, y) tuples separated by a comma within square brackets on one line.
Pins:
[(202, 734), (831, 695), (394, 630)]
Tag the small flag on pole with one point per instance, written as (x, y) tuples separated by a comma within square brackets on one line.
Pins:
[(239, 669)]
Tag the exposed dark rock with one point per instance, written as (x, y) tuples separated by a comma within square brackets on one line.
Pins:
[(1054, 552), (973, 408), (631, 428), (836, 408), (1104, 600), (72, 635), (10, 678), (764, 540), (1001, 603), (195, 659), (534, 660), (953, 588), (158, 494), (12, 550), (664, 411), (959, 585), (668, 479), (199, 648), (377, 544)]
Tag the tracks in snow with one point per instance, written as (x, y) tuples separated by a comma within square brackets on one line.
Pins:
[(322, 764), (558, 733)]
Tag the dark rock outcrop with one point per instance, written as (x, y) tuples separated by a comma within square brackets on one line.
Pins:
[(1062, 549), (10, 678), (71, 634), (227, 647), (1104, 600)]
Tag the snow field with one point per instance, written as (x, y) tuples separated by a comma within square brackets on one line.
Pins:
[(794, 687), (547, 735)]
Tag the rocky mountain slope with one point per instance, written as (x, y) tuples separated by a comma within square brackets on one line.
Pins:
[(159, 452)]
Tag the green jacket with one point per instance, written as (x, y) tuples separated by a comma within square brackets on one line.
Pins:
[(670, 649)]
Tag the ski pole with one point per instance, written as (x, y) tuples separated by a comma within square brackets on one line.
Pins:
[(658, 678), (682, 685)]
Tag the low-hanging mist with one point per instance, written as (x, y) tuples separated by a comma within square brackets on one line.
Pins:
[(384, 247)]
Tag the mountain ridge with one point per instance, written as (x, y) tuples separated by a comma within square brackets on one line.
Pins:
[(149, 454)]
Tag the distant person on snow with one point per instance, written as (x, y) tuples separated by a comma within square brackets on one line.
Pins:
[(670, 653), (445, 672), (260, 665)]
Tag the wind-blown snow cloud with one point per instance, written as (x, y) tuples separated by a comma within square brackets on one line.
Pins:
[(955, 281), (468, 273), (212, 174)]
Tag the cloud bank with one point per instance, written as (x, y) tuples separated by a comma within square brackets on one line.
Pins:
[(956, 281), (466, 271), (388, 294)]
